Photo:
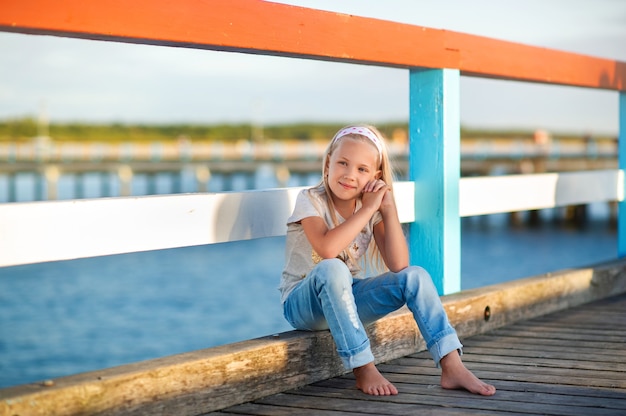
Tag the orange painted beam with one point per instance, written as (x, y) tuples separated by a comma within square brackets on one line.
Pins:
[(481, 56), (254, 26)]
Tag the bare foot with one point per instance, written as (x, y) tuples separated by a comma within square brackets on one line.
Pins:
[(370, 381), (455, 375)]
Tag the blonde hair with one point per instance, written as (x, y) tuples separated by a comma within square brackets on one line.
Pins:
[(372, 258)]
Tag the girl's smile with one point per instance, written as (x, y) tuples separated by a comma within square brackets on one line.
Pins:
[(346, 185)]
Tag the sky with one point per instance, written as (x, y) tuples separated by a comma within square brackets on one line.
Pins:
[(74, 80)]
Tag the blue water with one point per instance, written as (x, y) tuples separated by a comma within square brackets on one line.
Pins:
[(74, 316)]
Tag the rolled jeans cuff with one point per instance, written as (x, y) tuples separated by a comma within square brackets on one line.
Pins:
[(444, 346), (359, 359)]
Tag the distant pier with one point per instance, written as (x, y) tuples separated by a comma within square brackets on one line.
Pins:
[(48, 160)]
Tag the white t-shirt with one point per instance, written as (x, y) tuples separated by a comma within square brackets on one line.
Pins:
[(300, 258)]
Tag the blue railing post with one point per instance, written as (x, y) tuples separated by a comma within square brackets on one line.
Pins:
[(434, 165), (621, 143)]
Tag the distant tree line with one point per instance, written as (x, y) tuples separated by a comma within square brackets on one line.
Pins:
[(25, 129)]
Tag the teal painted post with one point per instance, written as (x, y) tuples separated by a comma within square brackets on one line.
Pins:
[(621, 210), (434, 166)]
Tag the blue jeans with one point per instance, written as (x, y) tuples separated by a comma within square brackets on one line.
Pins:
[(330, 298)]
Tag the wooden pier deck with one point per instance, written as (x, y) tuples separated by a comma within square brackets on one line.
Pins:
[(571, 362)]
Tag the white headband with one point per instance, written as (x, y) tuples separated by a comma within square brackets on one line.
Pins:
[(363, 131)]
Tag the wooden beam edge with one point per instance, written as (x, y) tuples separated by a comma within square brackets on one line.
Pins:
[(268, 28), (215, 378)]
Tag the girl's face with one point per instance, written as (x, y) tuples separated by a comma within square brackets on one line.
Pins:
[(351, 166)]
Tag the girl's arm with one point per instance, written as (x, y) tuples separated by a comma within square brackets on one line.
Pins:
[(330, 243), (389, 236)]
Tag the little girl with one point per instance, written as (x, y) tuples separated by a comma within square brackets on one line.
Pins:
[(348, 222)]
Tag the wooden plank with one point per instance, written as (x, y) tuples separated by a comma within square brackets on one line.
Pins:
[(278, 29), (490, 195), (550, 330), (540, 357), (598, 369), (216, 378), (509, 343), (273, 410), (535, 334), (356, 402), (583, 319)]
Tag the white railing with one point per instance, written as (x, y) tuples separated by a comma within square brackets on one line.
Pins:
[(37, 232)]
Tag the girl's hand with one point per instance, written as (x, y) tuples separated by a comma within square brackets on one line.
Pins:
[(388, 202), (374, 193)]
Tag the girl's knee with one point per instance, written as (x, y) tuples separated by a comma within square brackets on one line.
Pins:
[(332, 273), (334, 265), (416, 278)]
